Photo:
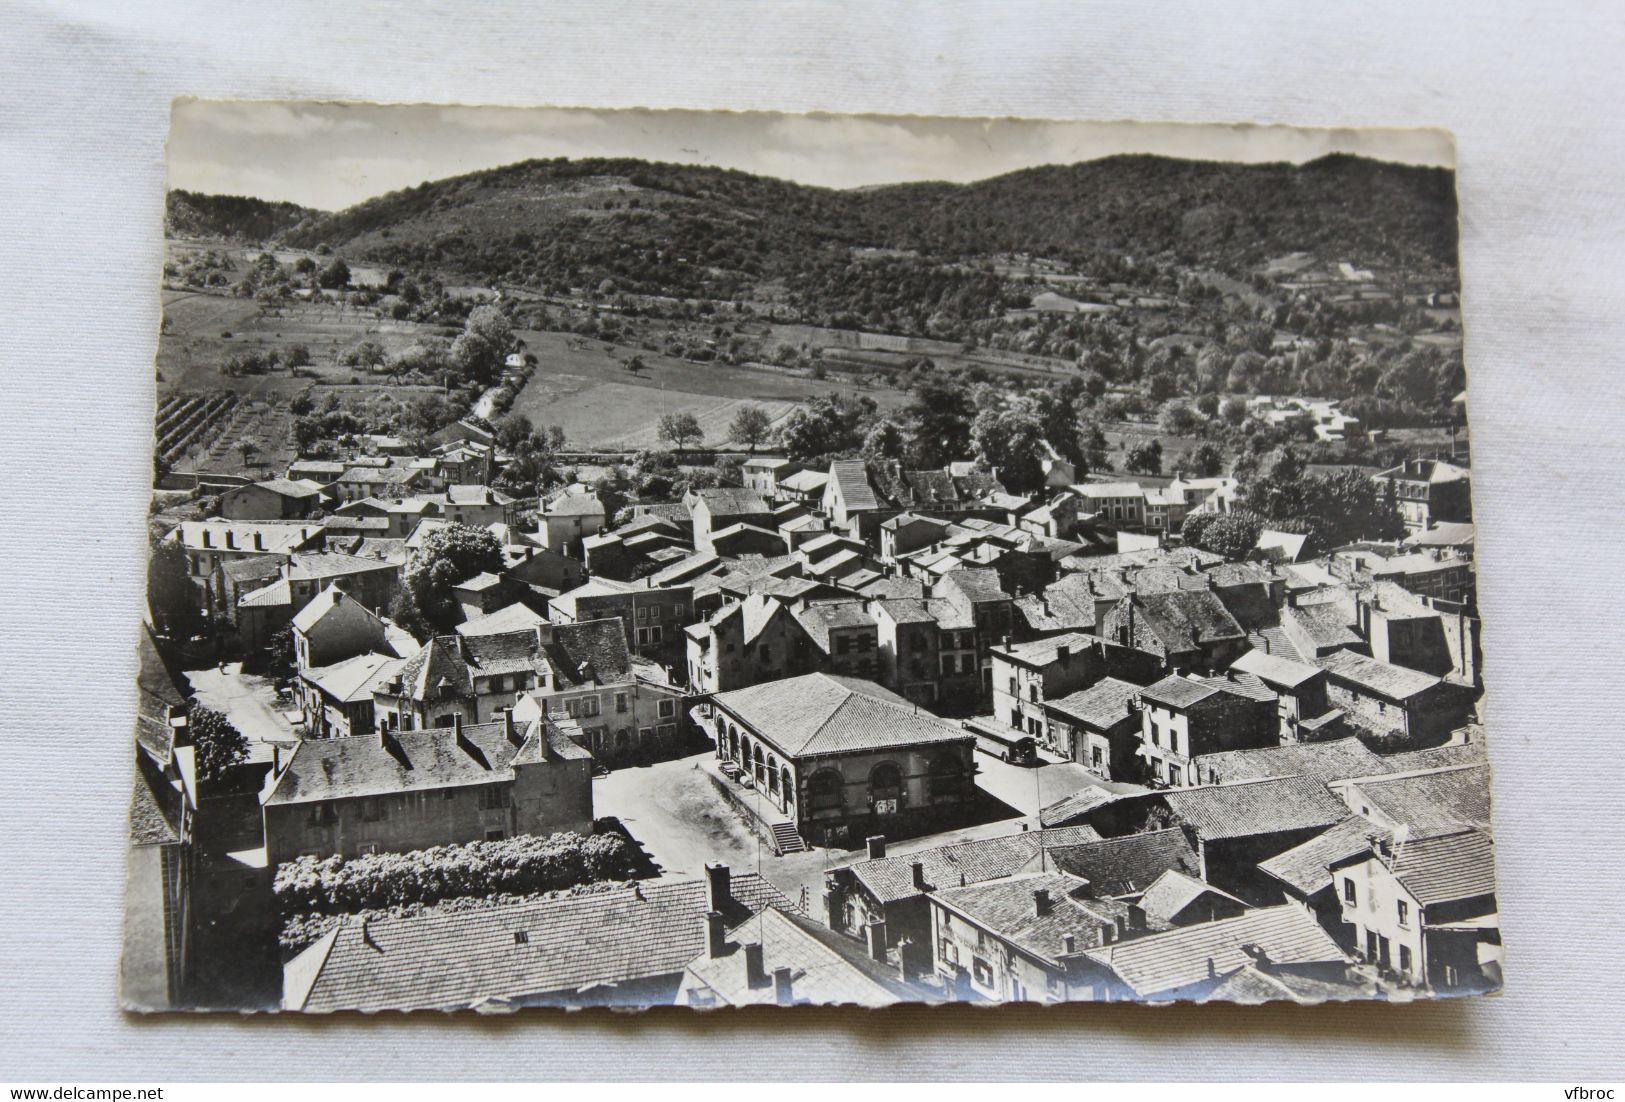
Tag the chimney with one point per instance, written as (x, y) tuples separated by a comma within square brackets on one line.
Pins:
[(1062, 653), (457, 726), (231, 539), (1212, 972), (874, 936), (718, 887), (716, 936), (383, 732), (783, 990), (877, 846), (1069, 944), (1041, 902), (508, 727), (1136, 916), (276, 759), (918, 869), (259, 541), (1261, 958), (755, 974), (1122, 926)]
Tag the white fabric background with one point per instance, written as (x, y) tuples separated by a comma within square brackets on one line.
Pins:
[(1531, 93)]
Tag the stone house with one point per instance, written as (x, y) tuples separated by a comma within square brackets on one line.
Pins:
[(1183, 718), (392, 791), (841, 758)]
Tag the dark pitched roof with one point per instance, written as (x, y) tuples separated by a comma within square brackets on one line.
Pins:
[(820, 713), (1446, 867), (819, 619), (1306, 867), (1382, 678), (1434, 801), (1173, 891), (890, 879), (730, 501), (1255, 807), (1185, 618), (851, 478), (826, 968), (1075, 806), (427, 759), (459, 959), (1104, 704), (1167, 962), (1009, 908), (1127, 865), (977, 583), (1177, 691), (1436, 757), (1335, 760), (156, 804)]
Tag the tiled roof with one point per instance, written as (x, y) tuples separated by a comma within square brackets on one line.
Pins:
[(353, 679), (1173, 891), (1044, 652), (1435, 801), (1081, 802), (276, 537), (309, 565), (730, 501), (1306, 866), (819, 619), (515, 617), (805, 482), (893, 588), (459, 959), (1185, 618), (1126, 865), (851, 478), (905, 610), (1101, 706), (1335, 760), (1251, 985), (156, 805), (275, 595), (319, 606), (1108, 489), (1383, 678), (575, 505), (1067, 605), (1325, 624), (1273, 669), (475, 494), (977, 583), (890, 879), (826, 968), (288, 487), (820, 713), (1177, 691), (1009, 908), (1242, 684), (1255, 807), (1436, 757), (1446, 867), (427, 759), (1164, 963)]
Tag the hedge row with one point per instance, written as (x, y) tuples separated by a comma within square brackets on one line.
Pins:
[(514, 866)]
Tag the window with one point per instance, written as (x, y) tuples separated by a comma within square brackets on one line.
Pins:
[(448, 794), (589, 706), (654, 634), (676, 612), (1173, 774), (1350, 895), (825, 791), (668, 708), (767, 653), (1173, 740), (982, 971), (1015, 689), (620, 702), (369, 848), (494, 836), (843, 644), (1404, 958), (643, 615), (493, 797), (1404, 913)]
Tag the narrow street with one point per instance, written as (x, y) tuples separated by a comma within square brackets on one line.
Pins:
[(248, 700)]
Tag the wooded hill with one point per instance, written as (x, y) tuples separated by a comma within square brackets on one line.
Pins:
[(718, 233)]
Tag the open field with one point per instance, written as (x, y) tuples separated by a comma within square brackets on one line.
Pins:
[(195, 343), (583, 386)]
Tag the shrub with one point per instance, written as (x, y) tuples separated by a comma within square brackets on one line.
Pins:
[(512, 866)]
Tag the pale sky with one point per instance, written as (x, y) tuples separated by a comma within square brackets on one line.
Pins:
[(331, 155)]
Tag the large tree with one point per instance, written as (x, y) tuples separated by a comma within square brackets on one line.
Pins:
[(447, 557), (680, 430), (479, 350), (1145, 458), (751, 426), (173, 598), (940, 418), (218, 745), (1012, 442)]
